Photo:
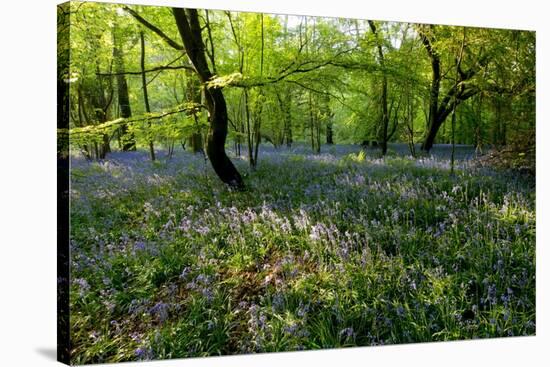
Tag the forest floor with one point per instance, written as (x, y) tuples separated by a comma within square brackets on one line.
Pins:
[(330, 250)]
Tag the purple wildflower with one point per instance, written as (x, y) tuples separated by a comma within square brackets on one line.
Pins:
[(83, 285), (347, 333), (144, 354), (139, 246), (160, 310)]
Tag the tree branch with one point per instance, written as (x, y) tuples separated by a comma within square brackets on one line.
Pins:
[(158, 68), (427, 42), (300, 68), (185, 107), (154, 28)]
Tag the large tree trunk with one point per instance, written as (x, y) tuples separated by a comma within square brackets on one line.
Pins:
[(189, 28), (456, 95), (128, 140), (428, 142)]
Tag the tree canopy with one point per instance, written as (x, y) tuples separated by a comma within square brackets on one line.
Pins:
[(151, 76)]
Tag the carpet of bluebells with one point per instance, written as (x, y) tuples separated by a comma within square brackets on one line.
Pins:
[(329, 250)]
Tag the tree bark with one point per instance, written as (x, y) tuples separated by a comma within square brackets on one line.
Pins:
[(311, 122), (384, 96), (249, 140), (100, 105), (285, 108), (129, 142), (434, 92), (189, 29), (288, 125), (194, 95), (330, 137), (257, 136), (458, 93), (453, 119), (145, 95)]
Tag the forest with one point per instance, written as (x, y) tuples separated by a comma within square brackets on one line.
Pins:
[(247, 182)]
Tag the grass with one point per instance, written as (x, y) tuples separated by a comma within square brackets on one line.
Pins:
[(333, 250)]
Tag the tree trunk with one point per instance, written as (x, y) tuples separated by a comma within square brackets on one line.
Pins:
[(84, 119), (145, 95), (504, 120), (189, 29), (434, 96), (385, 117), (318, 136), (258, 120), (249, 140), (311, 122), (196, 142), (330, 138), (478, 131), (384, 96), (430, 136), (257, 136), (288, 122), (458, 93), (101, 106), (453, 119), (194, 95), (128, 140), (285, 107)]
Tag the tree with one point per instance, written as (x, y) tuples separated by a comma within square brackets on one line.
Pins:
[(385, 118), (457, 92), (291, 80), (189, 29), (193, 94), (128, 139), (144, 87)]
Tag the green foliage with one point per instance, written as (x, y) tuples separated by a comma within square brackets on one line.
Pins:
[(285, 59), (171, 125)]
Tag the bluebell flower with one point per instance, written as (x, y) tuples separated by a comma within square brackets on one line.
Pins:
[(160, 310), (347, 333), (139, 246), (144, 354)]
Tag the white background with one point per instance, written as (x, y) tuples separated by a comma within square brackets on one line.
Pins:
[(28, 175)]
